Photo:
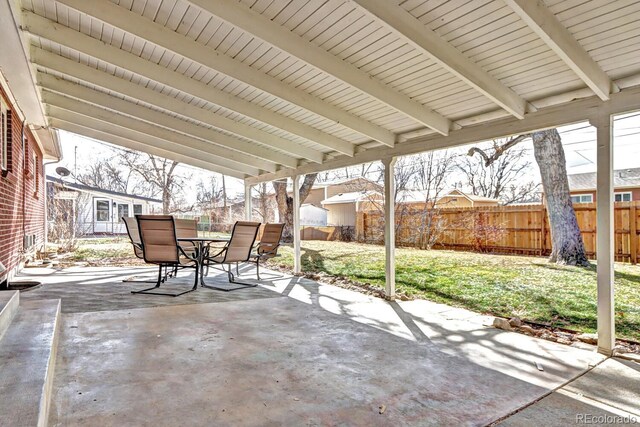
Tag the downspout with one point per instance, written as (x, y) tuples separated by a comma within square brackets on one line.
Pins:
[(46, 204), (24, 189)]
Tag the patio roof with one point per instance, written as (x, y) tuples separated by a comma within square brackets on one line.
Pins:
[(264, 90)]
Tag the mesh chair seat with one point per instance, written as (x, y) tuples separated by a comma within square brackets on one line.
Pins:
[(237, 250), (268, 246), (160, 246)]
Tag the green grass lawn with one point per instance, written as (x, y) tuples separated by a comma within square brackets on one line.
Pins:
[(528, 287), (112, 250)]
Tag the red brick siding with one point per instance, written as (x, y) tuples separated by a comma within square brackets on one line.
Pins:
[(22, 205)]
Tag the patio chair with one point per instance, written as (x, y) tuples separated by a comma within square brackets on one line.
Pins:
[(186, 228), (268, 246), (160, 246), (237, 250), (131, 225)]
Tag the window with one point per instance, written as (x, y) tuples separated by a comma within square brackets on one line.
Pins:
[(36, 178), (582, 198), (137, 209), (123, 210), (622, 197), (5, 135), (102, 210)]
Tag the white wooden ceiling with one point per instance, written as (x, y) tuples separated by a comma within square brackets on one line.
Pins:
[(255, 87)]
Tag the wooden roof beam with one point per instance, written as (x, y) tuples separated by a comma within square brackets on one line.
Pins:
[(201, 138), (64, 36), (557, 115), (415, 33), (280, 37), (159, 35), (176, 142), (87, 129), (67, 67), (547, 26)]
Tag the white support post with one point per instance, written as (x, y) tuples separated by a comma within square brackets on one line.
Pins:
[(248, 205), (297, 266), (389, 227), (605, 235)]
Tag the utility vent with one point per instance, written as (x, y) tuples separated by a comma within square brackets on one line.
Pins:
[(29, 241), (3, 276)]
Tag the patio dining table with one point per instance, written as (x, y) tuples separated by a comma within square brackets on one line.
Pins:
[(200, 243)]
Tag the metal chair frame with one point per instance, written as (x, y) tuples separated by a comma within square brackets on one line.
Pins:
[(262, 254), (174, 265), (224, 251)]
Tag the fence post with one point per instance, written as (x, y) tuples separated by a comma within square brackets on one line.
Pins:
[(633, 233), (543, 230)]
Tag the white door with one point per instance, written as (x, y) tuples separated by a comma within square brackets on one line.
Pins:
[(124, 210), (101, 216)]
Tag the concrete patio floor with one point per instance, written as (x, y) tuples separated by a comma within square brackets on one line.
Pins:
[(295, 352)]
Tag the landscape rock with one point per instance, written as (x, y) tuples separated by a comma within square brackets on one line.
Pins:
[(501, 323), (588, 338), (619, 349), (515, 322), (527, 329)]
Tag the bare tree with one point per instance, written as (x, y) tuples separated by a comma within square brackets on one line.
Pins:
[(106, 175), (498, 172), (567, 244), (159, 177), (285, 202), (265, 202), (208, 194), (432, 171)]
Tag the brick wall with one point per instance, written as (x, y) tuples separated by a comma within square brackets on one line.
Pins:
[(22, 198)]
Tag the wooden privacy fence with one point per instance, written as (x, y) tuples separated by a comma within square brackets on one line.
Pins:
[(522, 229)]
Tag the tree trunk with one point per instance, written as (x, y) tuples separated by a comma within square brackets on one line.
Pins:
[(166, 201), (285, 203), (567, 244), (225, 215)]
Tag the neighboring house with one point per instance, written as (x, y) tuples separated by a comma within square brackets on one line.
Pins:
[(626, 184), (458, 199), (323, 190), (343, 207), (452, 199), (235, 210), (97, 211), (23, 149), (313, 215)]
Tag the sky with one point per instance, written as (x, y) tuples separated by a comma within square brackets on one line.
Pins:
[(578, 141)]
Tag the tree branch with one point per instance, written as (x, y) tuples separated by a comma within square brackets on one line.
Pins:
[(498, 149)]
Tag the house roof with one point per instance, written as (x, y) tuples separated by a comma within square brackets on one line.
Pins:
[(412, 196), (344, 181), (471, 197), (623, 178), (356, 196), (312, 205), (88, 188)]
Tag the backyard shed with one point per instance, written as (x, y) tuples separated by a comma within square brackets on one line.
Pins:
[(312, 215), (343, 207)]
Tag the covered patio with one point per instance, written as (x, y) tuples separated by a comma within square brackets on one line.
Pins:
[(273, 90), (294, 352)]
